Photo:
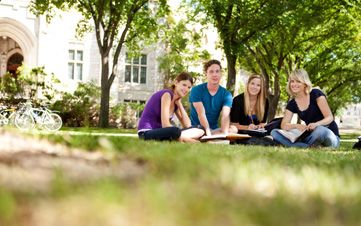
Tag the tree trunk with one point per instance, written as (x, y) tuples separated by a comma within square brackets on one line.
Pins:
[(274, 98), (105, 94), (231, 66), (273, 102)]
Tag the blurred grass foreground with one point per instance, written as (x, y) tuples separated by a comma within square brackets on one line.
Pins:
[(96, 180)]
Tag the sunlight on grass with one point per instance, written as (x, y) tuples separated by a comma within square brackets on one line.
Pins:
[(200, 185), (265, 179)]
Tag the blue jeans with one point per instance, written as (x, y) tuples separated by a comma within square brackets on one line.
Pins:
[(320, 136), (161, 134)]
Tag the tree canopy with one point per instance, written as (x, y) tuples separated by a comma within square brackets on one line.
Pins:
[(181, 39), (275, 37), (116, 23)]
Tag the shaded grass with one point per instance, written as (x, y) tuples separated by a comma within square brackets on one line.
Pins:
[(99, 130), (350, 135), (206, 184)]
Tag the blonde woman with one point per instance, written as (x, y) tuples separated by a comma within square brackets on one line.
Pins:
[(249, 109), (311, 106)]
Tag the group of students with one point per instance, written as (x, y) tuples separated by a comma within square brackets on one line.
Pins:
[(210, 101)]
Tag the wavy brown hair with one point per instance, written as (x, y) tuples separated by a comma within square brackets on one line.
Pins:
[(182, 77)]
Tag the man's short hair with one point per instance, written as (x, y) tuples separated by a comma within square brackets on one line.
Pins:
[(210, 63)]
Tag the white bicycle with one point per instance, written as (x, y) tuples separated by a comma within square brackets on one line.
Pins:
[(7, 116), (27, 116)]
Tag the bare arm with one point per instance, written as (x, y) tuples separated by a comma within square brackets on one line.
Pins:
[(326, 112), (286, 122), (238, 126), (250, 126), (225, 120), (165, 108), (201, 112), (182, 115)]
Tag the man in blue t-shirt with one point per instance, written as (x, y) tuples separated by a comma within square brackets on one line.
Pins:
[(208, 100)]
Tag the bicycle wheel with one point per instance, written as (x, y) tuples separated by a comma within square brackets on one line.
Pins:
[(52, 122), (3, 120), (24, 121), (11, 119)]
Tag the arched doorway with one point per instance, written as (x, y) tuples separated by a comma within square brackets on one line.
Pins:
[(14, 62), (11, 55), (15, 37)]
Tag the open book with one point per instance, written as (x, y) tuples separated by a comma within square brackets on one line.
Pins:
[(254, 132), (294, 134), (230, 136)]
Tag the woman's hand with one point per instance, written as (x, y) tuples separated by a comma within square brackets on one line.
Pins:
[(261, 125), (301, 127), (252, 126), (312, 126)]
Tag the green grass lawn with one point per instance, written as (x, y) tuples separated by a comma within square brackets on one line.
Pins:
[(204, 185), (98, 130)]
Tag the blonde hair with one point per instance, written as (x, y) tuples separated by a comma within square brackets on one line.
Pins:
[(299, 75), (261, 99)]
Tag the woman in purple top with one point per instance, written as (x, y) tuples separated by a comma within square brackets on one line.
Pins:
[(155, 122), (311, 106)]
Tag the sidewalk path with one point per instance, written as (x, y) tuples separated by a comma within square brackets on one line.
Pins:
[(78, 133)]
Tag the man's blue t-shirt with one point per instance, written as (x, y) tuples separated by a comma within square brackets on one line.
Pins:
[(313, 112), (212, 104)]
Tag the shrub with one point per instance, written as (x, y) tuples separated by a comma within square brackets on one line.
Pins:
[(33, 84), (125, 115), (80, 108)]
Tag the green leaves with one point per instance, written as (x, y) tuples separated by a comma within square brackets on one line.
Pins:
[(182, 40), (116, 23)]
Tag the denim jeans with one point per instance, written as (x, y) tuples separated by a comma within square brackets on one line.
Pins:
[(161, 134), (321, 135)]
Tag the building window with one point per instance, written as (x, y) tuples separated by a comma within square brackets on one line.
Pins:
[(136, 69), (75, 64)]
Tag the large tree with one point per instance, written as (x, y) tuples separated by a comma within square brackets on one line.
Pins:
[(238, 22), (116, 23), (274, 37), (313, 35)]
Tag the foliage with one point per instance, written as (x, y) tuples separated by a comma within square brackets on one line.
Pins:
[(81, 107), (126, 115), (34, 84), (116, 23), (237, 23), (275, 37), (182, 40), (315, 44), (9, 86)]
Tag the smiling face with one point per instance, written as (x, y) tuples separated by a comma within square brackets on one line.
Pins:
[(298, 83), (182, 87), (254, 86), (214, 74), (297, 87)]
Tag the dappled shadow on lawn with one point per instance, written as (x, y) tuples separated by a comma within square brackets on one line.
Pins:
[(126, 181), (29, 164)]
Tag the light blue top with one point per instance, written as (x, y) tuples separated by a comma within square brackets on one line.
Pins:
[(212, 104)]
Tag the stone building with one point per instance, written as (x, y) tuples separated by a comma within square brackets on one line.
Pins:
[(28, 39)]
